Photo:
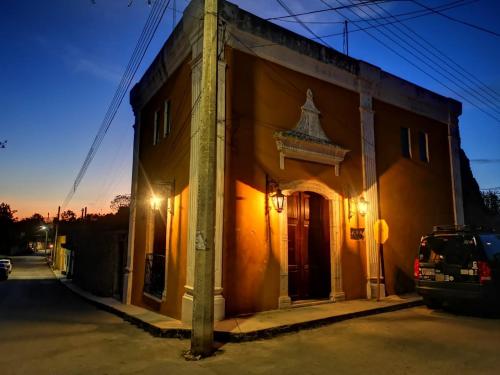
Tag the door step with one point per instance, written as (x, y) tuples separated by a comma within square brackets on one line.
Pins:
[(310, 302)]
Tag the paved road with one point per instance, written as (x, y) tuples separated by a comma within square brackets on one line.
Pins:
[(45, 329)]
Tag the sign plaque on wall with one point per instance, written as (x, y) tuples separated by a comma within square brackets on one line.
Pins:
[(357, 234)]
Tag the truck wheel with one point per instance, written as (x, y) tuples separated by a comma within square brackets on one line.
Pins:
[(431, 303)]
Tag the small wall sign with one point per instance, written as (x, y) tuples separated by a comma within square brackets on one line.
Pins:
[(357, 234)]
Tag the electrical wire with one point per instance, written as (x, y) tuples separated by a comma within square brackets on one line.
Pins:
[(289, 11), (294, 15), (414, 14), (443, 63), (148, 31), (480, 28), (416, 56)]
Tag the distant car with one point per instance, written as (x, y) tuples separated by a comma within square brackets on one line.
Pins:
[(459, 264), (8, 263), (4, 271)]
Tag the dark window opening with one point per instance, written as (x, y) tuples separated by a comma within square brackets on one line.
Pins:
[(423, 147), (157, 133), (167, 119), (405, 143)]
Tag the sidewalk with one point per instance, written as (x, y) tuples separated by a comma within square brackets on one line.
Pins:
[(250, 327)]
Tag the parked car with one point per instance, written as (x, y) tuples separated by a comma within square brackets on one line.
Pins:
[(4, 271), (8, 263), (459, 264)]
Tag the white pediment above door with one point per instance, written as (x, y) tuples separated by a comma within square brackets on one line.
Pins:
[(308, 141)]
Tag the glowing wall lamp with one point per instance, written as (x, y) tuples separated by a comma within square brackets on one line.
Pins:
[(362, 206), (155, 202), (276, 195), (278, 200)]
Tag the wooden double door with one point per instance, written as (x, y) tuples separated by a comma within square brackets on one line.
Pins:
[(308, 246)]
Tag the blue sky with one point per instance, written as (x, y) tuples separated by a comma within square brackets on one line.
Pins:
[(62, 61)]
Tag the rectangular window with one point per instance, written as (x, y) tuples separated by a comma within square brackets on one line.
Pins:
[(406, 142), (156, 128), (167, 119), (423, 146)]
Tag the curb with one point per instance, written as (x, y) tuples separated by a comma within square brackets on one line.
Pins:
[(269, 333), (235, 337)]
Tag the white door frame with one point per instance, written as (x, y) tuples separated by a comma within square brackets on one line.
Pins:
[(335, 214)]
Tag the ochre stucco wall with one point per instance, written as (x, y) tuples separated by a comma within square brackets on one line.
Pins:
[(414, 195), (264, 98), (168, 161)]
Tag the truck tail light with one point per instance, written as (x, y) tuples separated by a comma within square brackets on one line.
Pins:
[(484, 272), (416, 268)]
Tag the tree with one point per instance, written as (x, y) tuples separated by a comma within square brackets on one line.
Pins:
[(36, 217), (7, 222), (68, 215), (6, 213), (492, 201), (121, 200)]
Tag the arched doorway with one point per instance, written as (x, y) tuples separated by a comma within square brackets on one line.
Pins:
[(308, 246), (334, 222)]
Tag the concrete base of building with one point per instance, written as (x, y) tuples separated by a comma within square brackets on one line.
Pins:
[(372, 290)]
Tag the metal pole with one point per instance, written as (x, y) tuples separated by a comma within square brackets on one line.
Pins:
[(46, 239), (378, 271), (56, 230), (203, 291)]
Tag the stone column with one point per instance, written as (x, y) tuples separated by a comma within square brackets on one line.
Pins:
[(196, 51), (456, 176), (370, 184), (337, 289), (284, 300), (128, 272), (219, 302), (187, 299)]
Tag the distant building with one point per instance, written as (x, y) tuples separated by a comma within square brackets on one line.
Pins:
[(335, 135)]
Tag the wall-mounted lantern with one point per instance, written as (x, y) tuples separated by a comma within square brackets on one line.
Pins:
[(274, 192), (362, 206), (155, 202), (278, 200)]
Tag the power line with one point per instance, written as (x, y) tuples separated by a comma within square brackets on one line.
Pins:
[(148, 31), (414, 14), (289, 11), (294, 15), (471, 76), (477, 93), (480, 28), (416, 56)]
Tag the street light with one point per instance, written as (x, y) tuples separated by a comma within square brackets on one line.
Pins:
[(46, 229)]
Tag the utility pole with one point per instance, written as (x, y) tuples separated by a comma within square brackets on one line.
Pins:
[(203, 293), (56, 225)]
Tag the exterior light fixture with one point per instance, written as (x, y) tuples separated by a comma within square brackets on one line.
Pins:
[(274, 192), (155, 202), (278, 200), (362, 206)]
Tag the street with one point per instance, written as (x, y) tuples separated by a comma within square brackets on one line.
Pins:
[(45, 329)]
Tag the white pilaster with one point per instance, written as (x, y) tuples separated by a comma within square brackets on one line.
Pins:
[(219, 302), (129, 268), (370, 185), (337, 289), (456, 176), (284, 300), (187, 298)]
